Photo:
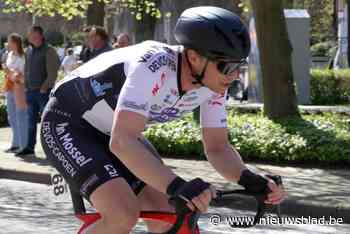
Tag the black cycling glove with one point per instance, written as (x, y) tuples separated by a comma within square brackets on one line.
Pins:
[(253, 182), (181, 192)]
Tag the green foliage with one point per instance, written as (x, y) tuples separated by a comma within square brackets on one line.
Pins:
[(68, 8), (77, 38), (321, 138), (321, 19), (323, 49), (72, 8), (2, 80), (54, 38), (140, 8), (180, 137), (330, 87)]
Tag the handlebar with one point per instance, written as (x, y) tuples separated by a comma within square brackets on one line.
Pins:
[(262, 208)]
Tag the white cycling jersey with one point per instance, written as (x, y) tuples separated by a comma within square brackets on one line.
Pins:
[(144, 78)]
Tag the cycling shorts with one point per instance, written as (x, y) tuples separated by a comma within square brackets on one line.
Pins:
[(80, 152)]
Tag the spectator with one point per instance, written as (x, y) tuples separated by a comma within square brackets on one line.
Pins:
[(40, 74), (98, 41), (4, 53), (61, 52), (123, 40), (114, 39), (69, 62), (85, 51), (15, 96)]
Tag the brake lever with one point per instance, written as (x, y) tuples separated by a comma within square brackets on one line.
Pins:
[(193, 221), (262, 206), (259, 197), (182, 211)]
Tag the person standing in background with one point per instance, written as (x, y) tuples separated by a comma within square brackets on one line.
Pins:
[(98, 41), (69, 62), (40, 74), (85, 51), (3, 55), (123, 40), (15, 94)]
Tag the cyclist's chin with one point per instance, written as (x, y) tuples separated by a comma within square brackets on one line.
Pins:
[(219, 89)]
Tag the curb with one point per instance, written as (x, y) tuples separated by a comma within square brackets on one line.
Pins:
[(28, 176)]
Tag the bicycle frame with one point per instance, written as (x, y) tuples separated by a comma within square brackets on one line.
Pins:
[(182, 224), (185, 223), (168, 217)]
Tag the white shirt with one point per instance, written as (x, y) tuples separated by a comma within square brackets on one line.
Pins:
[(143, 78), (69, 63), (14, 62)]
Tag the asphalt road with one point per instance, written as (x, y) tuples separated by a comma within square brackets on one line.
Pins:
[(32, 209)]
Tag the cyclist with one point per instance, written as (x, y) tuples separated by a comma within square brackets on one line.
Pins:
[(92, 126)]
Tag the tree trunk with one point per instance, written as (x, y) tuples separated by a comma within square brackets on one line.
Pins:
[(96, 13), (145, 28), (335, 16), (275, 56)]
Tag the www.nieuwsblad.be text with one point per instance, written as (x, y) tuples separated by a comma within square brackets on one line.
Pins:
[(235, 221)]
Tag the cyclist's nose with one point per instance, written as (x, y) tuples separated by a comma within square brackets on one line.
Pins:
[(233, 76)]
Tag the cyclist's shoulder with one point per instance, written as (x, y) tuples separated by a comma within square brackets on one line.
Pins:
[(151, 56), (152, 50)]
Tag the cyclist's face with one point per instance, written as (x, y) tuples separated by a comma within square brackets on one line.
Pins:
[(220, 75)]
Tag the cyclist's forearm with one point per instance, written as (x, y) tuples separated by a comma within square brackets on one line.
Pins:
[(139, 160), (227, 162)]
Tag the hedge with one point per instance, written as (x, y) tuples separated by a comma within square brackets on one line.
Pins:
[(312, 139), (323, 139), (330, 87), (327, 48)]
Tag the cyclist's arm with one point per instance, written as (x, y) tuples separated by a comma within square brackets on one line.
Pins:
[(227, 161), (224, 158), (220, 153), (136, 157)]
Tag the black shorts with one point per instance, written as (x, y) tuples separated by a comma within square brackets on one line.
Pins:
[(80, 152)]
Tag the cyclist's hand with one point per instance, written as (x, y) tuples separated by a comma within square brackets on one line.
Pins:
[(195, 194), (265, 185), (201, 202), (277, 194)]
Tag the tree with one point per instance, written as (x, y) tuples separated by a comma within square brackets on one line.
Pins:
[(68, 8), (96, 13), (146, 14), (321, 20), (93, 9), (275, 56), (288, 4)]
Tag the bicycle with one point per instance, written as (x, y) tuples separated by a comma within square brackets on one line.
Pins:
[(185, 222)]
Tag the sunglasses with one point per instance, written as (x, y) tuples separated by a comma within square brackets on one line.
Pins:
[(228, 67)]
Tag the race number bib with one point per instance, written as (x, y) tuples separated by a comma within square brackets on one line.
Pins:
[(59, 187)]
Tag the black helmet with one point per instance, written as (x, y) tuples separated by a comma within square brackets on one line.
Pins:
[(213, 32)]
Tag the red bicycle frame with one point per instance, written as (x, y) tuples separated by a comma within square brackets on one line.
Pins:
[(182, 223), (171, 218)]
